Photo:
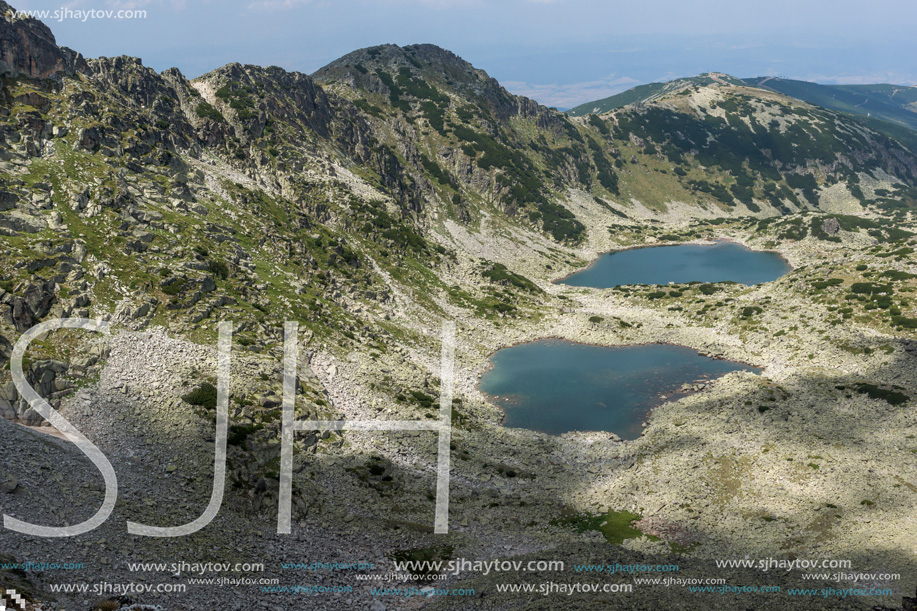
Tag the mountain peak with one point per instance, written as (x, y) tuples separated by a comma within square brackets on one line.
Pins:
[(417, 55), (655, 91), (427, 61), (28, 48), (422, 73)]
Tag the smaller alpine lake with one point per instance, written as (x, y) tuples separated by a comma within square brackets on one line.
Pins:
[(718, 262), (556, 386)]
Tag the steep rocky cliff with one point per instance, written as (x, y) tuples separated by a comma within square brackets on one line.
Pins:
[(28, 48)]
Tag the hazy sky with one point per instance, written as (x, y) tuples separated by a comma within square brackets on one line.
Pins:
[(560, 52)]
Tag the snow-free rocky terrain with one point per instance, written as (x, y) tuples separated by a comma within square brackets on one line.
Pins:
[(393, 190)]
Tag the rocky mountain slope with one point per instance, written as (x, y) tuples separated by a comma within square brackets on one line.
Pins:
[(648, 92), (763, 150), (892, 103), (895, 104), (888, 109), (397, 188)]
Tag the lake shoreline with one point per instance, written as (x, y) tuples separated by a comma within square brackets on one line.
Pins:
[(656, 397), (699, 242)]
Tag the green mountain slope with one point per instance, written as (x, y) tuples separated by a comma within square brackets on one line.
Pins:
[(631, 96), (890, 109), (893, 103), (645, 93), (482, 146), (201, 194), (726, 143)]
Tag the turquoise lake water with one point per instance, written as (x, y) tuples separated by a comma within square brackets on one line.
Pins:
[(556, 386), (719, 262)]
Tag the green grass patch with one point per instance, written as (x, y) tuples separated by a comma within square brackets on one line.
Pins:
[(904, 321), (616, 526), (749, 311), (707, 289), (206, 111), (823, 284), (441, 553), (892, 397), (219, 269), (896, 275), (498, 273), (174, 287), (238, 433), (869, 288), (205, 396)]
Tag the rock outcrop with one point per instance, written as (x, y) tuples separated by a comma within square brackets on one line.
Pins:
[(28, 48)]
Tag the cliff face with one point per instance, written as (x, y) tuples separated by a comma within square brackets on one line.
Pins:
[(28, 48)]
